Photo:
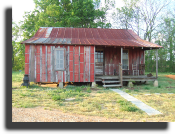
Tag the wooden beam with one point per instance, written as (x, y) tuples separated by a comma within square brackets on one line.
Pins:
[(121, 56), (157, 63)]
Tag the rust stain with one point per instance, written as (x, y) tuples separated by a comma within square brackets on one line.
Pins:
[(89, 36)]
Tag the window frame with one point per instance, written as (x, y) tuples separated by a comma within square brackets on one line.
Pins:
[(101, 58), (55, 59), (125, 59)]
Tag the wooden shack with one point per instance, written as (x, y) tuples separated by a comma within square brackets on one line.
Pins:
[(57, 55)]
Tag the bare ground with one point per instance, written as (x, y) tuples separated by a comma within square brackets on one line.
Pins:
[(39, 114), (171, 76)]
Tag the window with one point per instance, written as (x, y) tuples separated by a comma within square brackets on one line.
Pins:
[(59, 59), (125, 60), (99, 56)]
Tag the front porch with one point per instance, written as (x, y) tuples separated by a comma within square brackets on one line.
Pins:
[(126, 78)]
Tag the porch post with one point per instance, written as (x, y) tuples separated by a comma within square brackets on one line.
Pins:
[(121, 56), (157, 63)]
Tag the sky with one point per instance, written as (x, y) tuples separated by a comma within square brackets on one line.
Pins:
[(28, 5), (18, 10)]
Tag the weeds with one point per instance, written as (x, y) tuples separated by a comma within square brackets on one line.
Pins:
[(147, 88), (127, 106), (56, 97), (103, 102)]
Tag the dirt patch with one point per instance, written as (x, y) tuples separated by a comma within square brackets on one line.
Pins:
[(38, 114), (171, 76)]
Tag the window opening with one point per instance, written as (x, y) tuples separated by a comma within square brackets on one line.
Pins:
[(125, 60)]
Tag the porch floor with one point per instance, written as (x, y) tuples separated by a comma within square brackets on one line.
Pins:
[(126, 77)]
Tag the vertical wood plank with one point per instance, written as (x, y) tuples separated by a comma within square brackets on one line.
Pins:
[(76, 63), (92, 64), (43, 63), (27, 49), (68, 66), (38, 63), (52, 64), (84, 61), (71, 63), (106, 61), (49, 64), (157, 63), (81, 63), (32, 63), (121, 56), (35, 63), (46, 62), (87, 64), (134, 56), (130, 59), (138, 57)]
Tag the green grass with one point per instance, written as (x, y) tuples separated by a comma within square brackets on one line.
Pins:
[(164, 86), (127, 106), (103, 102), (17, 76), (17, 79)]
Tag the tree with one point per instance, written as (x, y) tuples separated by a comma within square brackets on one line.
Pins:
[(150, 10), (167, 54), (54, 13), (125, 15)]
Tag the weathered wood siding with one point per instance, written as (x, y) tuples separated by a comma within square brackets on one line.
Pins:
[(113, 58), (40, 62)]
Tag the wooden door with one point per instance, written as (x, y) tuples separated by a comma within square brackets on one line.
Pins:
[(99, 60)]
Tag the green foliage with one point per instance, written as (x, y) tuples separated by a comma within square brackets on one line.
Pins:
[(89, 89), (17, 76), (18, 56), (147, 88), (127, 106), (56, 97), (54, 13)]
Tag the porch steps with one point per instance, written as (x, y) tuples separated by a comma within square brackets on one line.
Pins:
[(111, 82), (116, 85)]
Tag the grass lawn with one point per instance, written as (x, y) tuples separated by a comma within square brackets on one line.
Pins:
[(100, 102)]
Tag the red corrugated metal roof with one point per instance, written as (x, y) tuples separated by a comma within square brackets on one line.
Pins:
[(89, 36)]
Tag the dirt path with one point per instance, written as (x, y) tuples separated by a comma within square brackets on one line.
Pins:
[(38, 114), (171, 76)]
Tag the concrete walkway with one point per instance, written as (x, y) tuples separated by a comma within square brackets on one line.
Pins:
[(149, 110)]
